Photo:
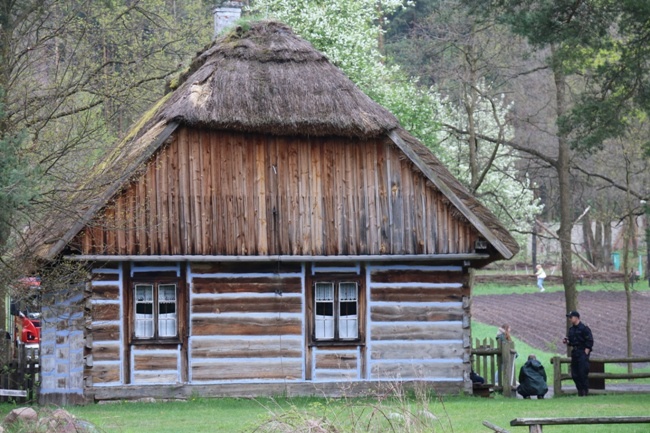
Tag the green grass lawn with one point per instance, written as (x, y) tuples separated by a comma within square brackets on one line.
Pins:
[(500, 289), (457, 414)]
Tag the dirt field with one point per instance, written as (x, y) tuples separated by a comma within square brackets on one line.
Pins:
[(539, 319)]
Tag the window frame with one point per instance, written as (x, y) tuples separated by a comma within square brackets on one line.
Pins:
[(337, 280), (156, 301)]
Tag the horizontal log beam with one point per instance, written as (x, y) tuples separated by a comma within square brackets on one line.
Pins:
[(581, 420), (345, 388), (283, 258), (612, 376), (495, 427), (609, 360)]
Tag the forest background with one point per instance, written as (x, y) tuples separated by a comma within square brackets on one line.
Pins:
[(538, 106)]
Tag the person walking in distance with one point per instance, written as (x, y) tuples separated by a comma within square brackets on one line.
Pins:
[(581, 341), (540, 274)]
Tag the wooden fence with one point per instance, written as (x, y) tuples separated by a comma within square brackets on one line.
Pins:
[(596, 364), (19, 374), (495, 362)]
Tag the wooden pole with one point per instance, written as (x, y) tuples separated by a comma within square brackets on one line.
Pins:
[(507, 367), (557, 375), (496, 428)]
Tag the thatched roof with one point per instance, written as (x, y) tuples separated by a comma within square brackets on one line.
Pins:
[(269, 80), (264, 79)]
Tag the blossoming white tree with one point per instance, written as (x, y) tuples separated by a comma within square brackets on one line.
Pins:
[(497, 180)]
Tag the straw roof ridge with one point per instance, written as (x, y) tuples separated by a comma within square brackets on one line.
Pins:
[(265, 79)]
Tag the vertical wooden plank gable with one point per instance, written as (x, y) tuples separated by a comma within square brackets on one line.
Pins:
[(226, 193)]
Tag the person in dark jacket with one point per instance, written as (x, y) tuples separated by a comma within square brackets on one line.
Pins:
[(581, 341), (532, 379)]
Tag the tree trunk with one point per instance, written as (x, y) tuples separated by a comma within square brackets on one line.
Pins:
[(634, 237), (566, 208), (628, 272), (470, 101), (598, 246), (607, 245), (588, 238), (533, 244), (627, 282)]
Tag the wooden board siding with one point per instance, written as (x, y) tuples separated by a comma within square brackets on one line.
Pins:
[(225, 193), (336, 364), (245, 325), (417, 327), (106, 374), (105, 342), (254, 370), (156, 364)]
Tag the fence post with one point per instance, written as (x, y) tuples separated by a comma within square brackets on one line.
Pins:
[(557, 375), (507, 367)]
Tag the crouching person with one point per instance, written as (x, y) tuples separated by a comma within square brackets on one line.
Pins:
[(532, 379)]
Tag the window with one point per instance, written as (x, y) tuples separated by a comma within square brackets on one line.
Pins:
[(156, 312), (335, 309)]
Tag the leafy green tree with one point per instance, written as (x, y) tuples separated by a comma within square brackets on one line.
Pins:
[(606, 43), (14, 178), (76, 74), (598, 48)]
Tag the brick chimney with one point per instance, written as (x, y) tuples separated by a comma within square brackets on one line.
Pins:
[(226, 15)]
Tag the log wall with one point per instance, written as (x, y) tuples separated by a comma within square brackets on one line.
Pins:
[(105, 342), (336, 364), (156, 364), (246, 324), (226, 193), (113, 358), (419, 323)]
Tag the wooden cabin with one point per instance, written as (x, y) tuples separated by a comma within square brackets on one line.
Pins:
[(266, 229)]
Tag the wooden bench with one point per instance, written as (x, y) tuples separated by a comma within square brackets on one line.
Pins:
[(482, 389), (13, 393), (535, 424)]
